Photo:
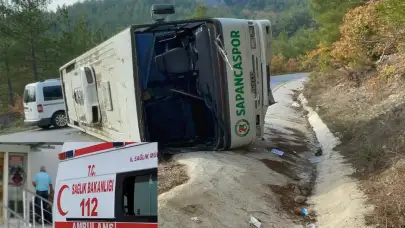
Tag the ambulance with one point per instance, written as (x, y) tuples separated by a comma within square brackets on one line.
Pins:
[(200, 83), (106, 185)]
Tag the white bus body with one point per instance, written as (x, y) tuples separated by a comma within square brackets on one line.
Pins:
[(202, 84)]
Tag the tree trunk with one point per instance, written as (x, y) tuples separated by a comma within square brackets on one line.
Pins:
[(34, 62), (8, 75)]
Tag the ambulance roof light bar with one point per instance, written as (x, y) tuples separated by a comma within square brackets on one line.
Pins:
[(159, 12)]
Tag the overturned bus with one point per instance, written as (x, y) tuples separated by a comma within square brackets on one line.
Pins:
[(201, 83)]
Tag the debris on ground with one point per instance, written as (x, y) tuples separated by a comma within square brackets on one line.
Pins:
[(254, 222), (319, 152), (278, 152), (304, 211), (300, 199), (196, 220), (296, 190), (304, 192), (298, 211), (295, 105)]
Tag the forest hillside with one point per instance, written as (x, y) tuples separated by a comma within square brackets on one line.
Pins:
[(34, 42), (358, 88)]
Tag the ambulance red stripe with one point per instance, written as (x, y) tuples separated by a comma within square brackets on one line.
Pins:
[(96, 148), (92, 149), (96, 225)]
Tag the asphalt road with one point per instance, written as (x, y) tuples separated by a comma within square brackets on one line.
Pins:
[(73, 135), (280, 79)]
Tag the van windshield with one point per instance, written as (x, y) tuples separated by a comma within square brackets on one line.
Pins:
[(52, 93), (29, 94)]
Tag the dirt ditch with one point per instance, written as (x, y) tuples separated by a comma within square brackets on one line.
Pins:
[(170, 173), (225, 188)]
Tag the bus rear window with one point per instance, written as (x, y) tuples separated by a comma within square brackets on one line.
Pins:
[(52, 93), (29, 94)]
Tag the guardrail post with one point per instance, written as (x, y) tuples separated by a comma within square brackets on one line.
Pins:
[(5, 202), (25, 207), (33, 211), (42, 213), (8, 220)]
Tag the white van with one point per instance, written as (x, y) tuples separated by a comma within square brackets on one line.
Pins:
[(106, 185), (44, 105)]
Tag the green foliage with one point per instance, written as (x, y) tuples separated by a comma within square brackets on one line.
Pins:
[(329, 15), (303, 40), (35, 43), (292, 20), (393, 11), (201, 11), (113, 15)]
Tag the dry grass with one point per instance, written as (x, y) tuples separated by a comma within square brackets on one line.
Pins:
[(12, 120), (18, 106), (370, 123), (387, 192), (171, 174)]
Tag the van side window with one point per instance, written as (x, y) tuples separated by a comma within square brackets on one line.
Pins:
[(89, 75), (136, 196), (29, 95), (52, 93)]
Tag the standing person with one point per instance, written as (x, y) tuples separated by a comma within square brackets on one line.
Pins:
[(43, 186)]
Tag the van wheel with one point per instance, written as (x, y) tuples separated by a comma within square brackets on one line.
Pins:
[(59, 119)]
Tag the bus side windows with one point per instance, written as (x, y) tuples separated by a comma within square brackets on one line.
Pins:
[(136, 196)]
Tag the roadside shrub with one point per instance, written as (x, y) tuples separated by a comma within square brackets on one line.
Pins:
[(318, 59), (387, 71), (18, 106), (362, 39), (291, 65), (280, 65), (277, 64), (392, 11)]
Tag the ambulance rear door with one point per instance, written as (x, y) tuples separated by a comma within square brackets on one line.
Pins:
[(94, 183)]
